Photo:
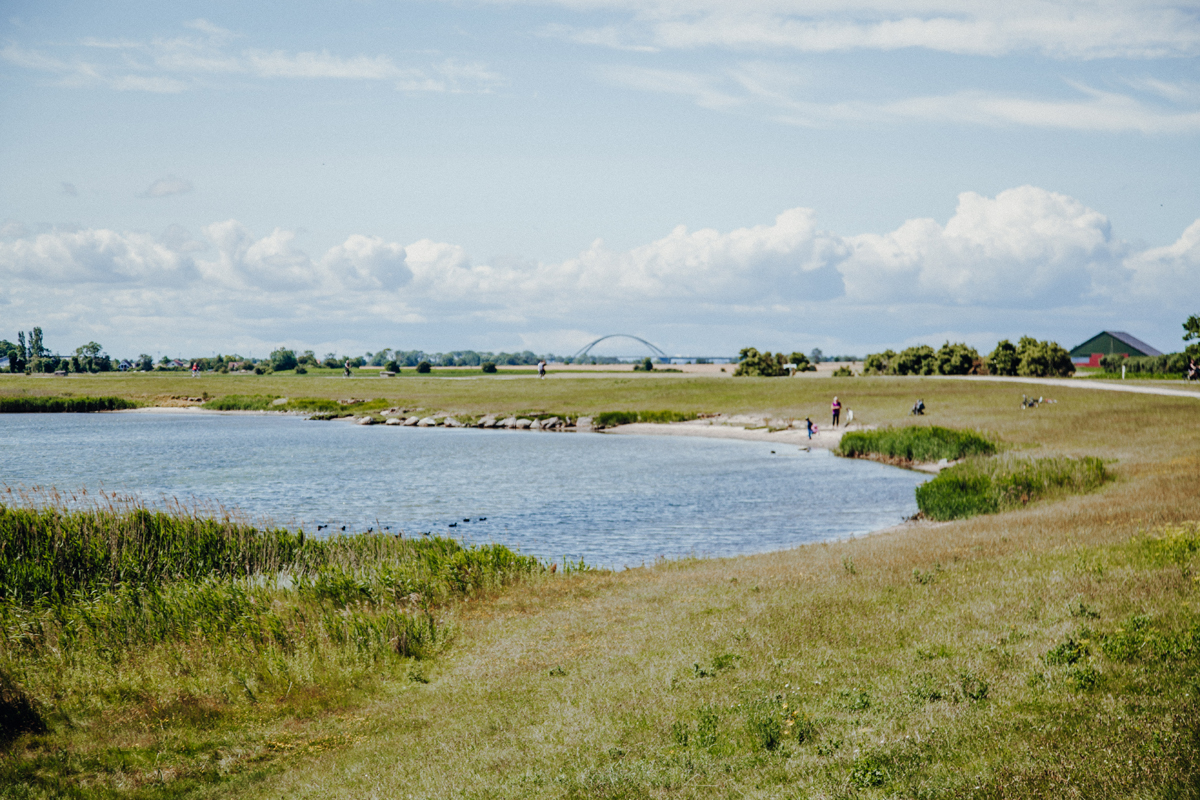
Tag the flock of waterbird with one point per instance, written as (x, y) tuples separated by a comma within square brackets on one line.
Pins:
[(388, 528)]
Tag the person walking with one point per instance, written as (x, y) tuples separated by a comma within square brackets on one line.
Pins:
[(808, 424), (542, 368), (836, 409), (346, 368)]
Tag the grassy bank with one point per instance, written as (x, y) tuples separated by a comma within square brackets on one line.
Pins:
[(56, 405), (217, 633)]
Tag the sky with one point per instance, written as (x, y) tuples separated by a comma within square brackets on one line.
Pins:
[(198, 177)]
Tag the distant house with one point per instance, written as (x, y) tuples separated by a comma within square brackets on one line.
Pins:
[(125, 365), (1107, 343)]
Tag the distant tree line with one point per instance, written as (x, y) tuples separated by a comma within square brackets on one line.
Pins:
[(1028, 358)]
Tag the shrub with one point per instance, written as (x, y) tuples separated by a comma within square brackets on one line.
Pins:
[(843, 372), (281, 360), (802, 363), (917, 360), (393, 366), (915, 443), (645, 365), (754, 364), (301, 370), (878, 363), (489, 367), (1003, 360), (424, 367), (1043, 359), (956, 359)]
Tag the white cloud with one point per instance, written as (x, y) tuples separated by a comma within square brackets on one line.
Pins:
[(175, 64), (1026, 247), (368, 263), (165, 187), (1056, 28), (998, 263), (775, 91)]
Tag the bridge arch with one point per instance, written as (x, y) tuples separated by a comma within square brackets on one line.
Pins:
[(587, 348)]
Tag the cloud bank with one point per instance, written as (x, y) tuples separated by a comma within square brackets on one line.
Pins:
[(1025, 261)]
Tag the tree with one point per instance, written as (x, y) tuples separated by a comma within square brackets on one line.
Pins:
[(88, 357), (916, 360), (145, 362), (801, 362), (36, 348), (878, 363), (1004, 359), (1043, 359), (956, 359), (816, 355), (21, 344), (754, 364), (1192, 328), (424, 367), (282, 359)]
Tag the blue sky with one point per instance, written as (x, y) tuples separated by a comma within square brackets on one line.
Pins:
[(195, 177)]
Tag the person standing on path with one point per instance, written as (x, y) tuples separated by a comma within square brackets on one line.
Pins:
[(346, 368), (808, 424), (542, 368), (836, 408)]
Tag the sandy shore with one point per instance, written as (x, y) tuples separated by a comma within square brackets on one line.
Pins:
[(756, 430)]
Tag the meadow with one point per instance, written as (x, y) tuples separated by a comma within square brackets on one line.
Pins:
[(1050, 649)]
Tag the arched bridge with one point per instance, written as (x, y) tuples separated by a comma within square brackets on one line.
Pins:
[(653, 349)]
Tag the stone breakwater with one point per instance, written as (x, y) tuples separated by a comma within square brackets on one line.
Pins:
[(402, 417)]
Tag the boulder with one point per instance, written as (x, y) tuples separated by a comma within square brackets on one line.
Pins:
[(365, 420), (551, 424), (451, 422), (394, 421), (508, 422), (412, 420), (427, 422), (488, 421), (583, 424), (523, 423), (536, 425)]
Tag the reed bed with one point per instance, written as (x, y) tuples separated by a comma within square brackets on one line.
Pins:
[(123, 609), (609, 419), (915, 444), (988, 485), (62, 405)]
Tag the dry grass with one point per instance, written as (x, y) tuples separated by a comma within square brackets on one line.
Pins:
[(585, 688)]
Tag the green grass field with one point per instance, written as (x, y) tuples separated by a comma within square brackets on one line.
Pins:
[(1048, 650)]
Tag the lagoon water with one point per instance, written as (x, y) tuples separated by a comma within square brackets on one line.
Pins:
[(610, 500)]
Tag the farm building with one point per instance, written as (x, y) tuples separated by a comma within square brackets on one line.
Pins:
[(1107, 343)]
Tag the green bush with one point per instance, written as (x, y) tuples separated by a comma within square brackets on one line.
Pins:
[(754, 364), (1043, 359), (489, 367), (52, 405), (282, 360), (988, 485), (916, 443), (424, 367)]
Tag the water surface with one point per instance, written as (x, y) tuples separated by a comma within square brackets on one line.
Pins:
[(610, 500)]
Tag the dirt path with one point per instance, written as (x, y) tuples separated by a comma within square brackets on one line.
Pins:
[(1133, 387)]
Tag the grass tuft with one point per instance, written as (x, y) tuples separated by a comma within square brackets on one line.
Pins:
[(989, 485), (62, 405), (915, 444)]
